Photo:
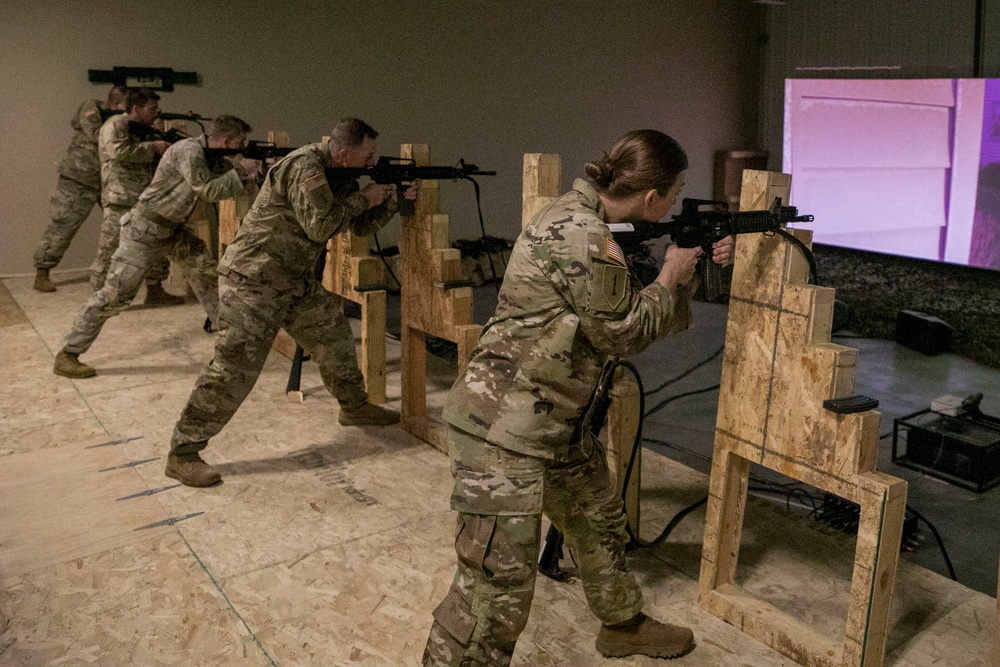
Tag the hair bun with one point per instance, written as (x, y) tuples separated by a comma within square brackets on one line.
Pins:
[(601, 172)]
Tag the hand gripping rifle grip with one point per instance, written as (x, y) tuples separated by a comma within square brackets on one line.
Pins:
[(407, 207)]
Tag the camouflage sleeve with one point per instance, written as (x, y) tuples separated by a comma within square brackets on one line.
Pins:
[(319, 213), (88, 120), (210, 187), (123, 148), (616, 315), (374, 218)]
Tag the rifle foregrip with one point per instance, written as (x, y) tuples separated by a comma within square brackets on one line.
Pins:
[(753, 221)]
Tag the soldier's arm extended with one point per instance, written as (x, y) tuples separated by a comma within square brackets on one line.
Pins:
[(122, 147), (210, 187), (374, 218), (318, 211), (88, 120), (616, 315)]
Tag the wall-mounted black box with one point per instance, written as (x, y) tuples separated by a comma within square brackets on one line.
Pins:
[(963, 450), (922, 332)]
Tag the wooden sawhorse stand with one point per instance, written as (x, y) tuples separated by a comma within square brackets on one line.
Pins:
[(431, 304), (779, 367)]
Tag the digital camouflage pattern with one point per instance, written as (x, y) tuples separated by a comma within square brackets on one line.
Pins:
[(126, 169), (565, 305), (154, 230), (78, 188), (269, 282), (517, 445)]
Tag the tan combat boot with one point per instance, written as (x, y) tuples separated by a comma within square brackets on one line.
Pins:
[(367, 414), (190, 470), (42, 282), (69, 365), (157, 296), (644, 636)]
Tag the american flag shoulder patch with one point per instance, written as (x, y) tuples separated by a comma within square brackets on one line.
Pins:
[(315, 180), (614, 250)]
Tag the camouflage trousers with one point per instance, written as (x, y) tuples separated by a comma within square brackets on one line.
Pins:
[(253, 312), (69, 206), (107, 243), (144, 243), (500, 496)]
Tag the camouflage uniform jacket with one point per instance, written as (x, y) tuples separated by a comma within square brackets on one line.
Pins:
[(126, 162), (80, 162), (181, 177), (568, 301), (296, 212)]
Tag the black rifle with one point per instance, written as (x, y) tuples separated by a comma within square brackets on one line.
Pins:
[(694, 227), (397, 171), (143, 132), (264, 151), (154, 78), (165, 115)]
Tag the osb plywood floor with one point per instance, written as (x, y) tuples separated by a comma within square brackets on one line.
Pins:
[(326, 545)]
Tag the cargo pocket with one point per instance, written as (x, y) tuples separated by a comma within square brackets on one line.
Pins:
[(455, 615)]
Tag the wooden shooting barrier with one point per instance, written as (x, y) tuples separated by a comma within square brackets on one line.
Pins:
[(779, 366), (352, 273), (432, 304), (542, 184)]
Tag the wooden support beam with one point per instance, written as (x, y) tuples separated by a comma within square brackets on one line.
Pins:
[(431, 303), (352, 273), (779, 367), (623, 424), (542, 183)]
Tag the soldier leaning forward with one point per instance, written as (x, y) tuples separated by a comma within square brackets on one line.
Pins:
[(154, 229), (517, 443), (127, 166), (269, 282), (79, 186)]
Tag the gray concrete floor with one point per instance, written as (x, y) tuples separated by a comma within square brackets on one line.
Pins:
[(904, 381)]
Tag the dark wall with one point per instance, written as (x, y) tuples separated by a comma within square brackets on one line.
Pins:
[(887, 39), (475, 79)]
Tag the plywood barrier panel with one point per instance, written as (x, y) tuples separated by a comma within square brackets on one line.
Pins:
[(778, 368), (431, 301)]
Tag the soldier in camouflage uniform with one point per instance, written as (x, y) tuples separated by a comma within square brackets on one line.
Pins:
[(269, 282), (517, 443), (154, 229), (127, 166), (79, 186)]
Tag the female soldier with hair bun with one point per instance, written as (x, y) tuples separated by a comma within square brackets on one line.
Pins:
[(516, 441)]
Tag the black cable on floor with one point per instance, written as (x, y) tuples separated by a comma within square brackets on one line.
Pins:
[(687, 372), (940, 542), (662, 404)]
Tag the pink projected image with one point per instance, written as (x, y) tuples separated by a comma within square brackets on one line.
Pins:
[(904, 167)]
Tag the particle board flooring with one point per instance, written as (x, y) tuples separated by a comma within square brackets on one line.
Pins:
[(327, 545)]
